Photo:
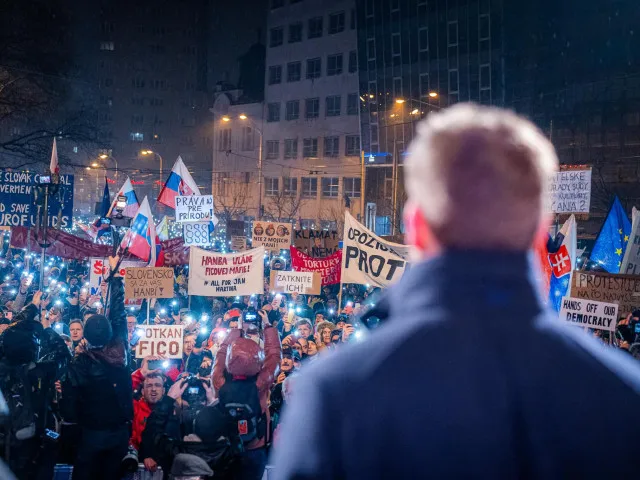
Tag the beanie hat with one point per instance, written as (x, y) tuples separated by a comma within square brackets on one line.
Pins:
[(244, 358), (187, 465), (210, 424), (97, 331)]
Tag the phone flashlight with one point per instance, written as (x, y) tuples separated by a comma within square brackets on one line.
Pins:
[(204, 330), (165, 364), (204, 317)]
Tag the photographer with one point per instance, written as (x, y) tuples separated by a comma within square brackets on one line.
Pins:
[(243, 375), (98, 393)]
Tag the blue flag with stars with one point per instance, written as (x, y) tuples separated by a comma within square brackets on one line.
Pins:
[(611, 242)]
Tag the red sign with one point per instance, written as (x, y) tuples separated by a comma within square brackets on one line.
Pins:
[(328, 267)]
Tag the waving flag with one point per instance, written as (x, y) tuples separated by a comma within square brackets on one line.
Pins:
[(179, 183), (132, 200), (162, 229), (141, 237), (607, 252), (100, 226), (562, 261), (53, 165)]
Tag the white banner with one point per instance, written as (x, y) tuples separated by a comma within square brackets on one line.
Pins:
[(368, 259), (631, 262), (196, 234), (569, 191), (272, 236), (160, 340), (214, 274), (588, 313), (99, 270), (194, 208)]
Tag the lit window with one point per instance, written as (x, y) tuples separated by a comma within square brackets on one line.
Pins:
[(136, 137)]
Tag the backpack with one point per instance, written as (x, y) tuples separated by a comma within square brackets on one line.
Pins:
[(240, 401), (17, 389)]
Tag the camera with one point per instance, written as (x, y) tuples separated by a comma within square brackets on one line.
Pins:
[(251, 315), (195, 394)]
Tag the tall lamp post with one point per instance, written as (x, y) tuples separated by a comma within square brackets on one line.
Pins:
[(245, 118), (105, 156), (151, 152)]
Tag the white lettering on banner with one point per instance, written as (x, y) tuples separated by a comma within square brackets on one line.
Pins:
[(569, 191), (587, 313), (368, 259), (194, 208), (272, 236), (160, 340), (218, 275), (196, 234)]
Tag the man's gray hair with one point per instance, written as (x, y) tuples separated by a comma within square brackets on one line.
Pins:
[(479, 175)]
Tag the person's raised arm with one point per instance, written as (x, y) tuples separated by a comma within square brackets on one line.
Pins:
[(117, 315), (272, 354)]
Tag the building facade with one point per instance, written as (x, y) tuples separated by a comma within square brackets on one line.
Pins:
[(311, 129), (415, 57)]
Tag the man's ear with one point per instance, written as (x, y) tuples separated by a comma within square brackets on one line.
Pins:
[(418, 233)]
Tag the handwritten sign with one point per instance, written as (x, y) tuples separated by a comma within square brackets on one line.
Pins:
[(273, 236), (160, 340), (196, 234), (308, 283), (148, 282), (194, 208), (316, 243), (328, 267), (623, 290), (569, 191), (99, 270), (587, 313), (214, 274), (238, 243)]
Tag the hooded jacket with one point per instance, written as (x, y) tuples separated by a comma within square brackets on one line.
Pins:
[(98, 393), (265, 377)]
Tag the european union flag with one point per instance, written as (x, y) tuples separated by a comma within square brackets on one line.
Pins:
[(611, 242)]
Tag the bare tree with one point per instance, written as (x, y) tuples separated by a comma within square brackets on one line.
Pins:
[(234, 202), (282, 207), (334, 213)]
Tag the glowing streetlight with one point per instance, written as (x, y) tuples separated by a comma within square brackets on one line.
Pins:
[(95, 165), (88, 168), (146, 152), (104, 156), (371, 95), (242, 116), (433, 94), (400, 100), (226, 119), (415, 111)]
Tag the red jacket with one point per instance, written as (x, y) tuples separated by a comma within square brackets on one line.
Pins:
[(141, 411)]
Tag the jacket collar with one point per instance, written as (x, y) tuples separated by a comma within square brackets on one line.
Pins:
[(463, 279)]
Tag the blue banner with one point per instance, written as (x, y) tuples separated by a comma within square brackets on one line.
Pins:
[(19, 206)]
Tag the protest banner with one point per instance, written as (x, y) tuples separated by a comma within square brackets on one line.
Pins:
[(623, 290), (19, 207), (569, 191), (369, 260), (148, 282), (238, 243), (194, 208), (273, 236), (196, 234), (160, 340), (328, 267), (214, 274), (99, 270), (316, 243), (631, 261), (175, 252), (307, 283), (589, 313)]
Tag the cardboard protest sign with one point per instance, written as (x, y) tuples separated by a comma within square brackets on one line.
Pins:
[(328, 268), (273, 236), (194, 208), (316, 243), (160, 340), (196, 234), (99, 271), (623, 290), (368, 259), (588, 313), (214, 274), (307, 283), (569, 191), (148, 282), (238, 243), (17, 205)]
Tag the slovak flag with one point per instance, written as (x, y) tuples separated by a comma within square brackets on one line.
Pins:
[(562, 262), (180, 183), (141, 237), (53, 165), (132, 200)]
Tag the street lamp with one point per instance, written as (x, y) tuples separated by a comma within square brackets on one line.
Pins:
[(106, 156), (400, 100), (243, 117), (151, 152), (226, 119), (433, 94)]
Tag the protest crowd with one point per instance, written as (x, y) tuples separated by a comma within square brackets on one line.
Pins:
[(133, 363)]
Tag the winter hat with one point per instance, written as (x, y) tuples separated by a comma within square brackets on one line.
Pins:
[(97, 331), (244, 358), (210, 424), (21, 341), (186, 465)]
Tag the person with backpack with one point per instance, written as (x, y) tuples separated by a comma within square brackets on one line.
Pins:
[(242, 377), (97, 394)]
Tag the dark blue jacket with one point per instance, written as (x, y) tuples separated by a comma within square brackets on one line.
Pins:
[(470, 378)]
